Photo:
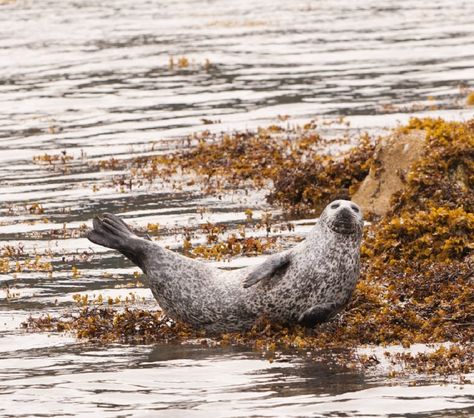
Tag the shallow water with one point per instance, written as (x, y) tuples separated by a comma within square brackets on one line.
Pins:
[(94, 79)]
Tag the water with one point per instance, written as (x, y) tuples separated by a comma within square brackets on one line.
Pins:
[(94, 79)]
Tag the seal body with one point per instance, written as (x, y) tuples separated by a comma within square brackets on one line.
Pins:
[(306, 284)]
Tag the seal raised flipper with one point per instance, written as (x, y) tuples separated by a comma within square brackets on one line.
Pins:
[(268, 268), (112, 232)]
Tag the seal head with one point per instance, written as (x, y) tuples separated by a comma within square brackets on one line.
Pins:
[(343, 217)]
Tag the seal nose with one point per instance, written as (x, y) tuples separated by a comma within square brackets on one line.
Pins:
[(345, 213), (344, 217)]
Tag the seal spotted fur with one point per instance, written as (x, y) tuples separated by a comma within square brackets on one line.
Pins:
[(307, 284)]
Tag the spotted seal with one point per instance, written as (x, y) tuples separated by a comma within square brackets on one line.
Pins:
[(306, 284)]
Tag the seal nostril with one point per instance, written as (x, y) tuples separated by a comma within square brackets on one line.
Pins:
[(355, 208), (345, 212), (335, 205)]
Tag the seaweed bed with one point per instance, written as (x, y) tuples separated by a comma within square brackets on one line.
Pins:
[(417, 278)]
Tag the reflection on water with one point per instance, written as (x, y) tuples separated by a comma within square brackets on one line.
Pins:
[(193, 381), (120, 78)]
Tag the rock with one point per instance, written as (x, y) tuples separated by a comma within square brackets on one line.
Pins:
[(393, 157)]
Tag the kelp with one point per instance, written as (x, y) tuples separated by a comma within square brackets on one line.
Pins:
[(417, 273), (309, 185), (444, 176), (107, 324)]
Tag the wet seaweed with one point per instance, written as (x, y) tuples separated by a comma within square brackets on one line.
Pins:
[(444, 176), (107, 324), (417, 279)]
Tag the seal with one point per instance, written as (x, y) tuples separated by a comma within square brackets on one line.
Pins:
[(306, 284)]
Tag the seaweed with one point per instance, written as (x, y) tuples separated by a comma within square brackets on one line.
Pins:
[(417, 270), (308, 186), (108, 324), (444, 176)]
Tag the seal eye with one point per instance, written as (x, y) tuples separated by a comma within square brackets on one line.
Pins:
[(355, 209), (335, 205)]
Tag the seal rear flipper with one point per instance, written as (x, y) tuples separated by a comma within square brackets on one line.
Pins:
[(317, 315), (112, 232), (268, 268)]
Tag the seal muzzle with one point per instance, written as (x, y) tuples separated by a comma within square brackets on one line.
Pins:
[(343, 217), (344, 222)]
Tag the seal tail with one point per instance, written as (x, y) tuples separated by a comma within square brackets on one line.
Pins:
[(112, 232)]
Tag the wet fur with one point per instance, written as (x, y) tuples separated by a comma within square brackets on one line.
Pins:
[(306, 284)]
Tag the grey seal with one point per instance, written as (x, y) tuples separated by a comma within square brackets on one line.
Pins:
[(306, 284)]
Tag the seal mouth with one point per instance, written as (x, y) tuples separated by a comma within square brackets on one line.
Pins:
[(344, 223), (343, 229)]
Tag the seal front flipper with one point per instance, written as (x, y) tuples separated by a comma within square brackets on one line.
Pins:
[(268, 268), (317, 314), (112, 232)]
